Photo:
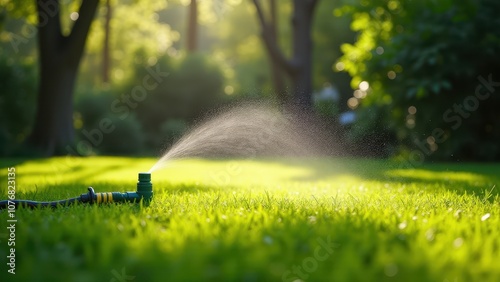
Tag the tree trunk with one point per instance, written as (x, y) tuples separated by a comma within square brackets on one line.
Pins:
[(106, 60), (276, 72), (302, 54), (59, 60), (192, 33), (299, 67)]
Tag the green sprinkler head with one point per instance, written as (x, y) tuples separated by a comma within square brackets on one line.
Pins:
[(145, 187), (144, 193)]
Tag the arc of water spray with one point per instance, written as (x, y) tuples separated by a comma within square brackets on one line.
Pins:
[(244, 131)]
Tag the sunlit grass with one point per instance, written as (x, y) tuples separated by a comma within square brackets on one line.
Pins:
[(258, 220)]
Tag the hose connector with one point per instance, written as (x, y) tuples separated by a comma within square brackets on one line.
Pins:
[(144, 192)]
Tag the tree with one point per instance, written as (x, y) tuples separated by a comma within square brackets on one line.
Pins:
[(106, 58), (277, 74), (59, 58), (134, 26), (299, 67), (192, 31)]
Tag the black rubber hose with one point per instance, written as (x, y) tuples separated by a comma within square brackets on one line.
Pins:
[(89, 197), (34, 204)]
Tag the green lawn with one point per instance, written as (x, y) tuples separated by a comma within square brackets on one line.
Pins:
[(257, 220)]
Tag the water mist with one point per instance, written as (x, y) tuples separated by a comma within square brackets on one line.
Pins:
[(243, 131)]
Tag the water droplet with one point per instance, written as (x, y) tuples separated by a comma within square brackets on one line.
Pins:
[(457, 243), (429, 234), (268, 240), (485, 217), (215, 243), (391, 270), (222, 135)]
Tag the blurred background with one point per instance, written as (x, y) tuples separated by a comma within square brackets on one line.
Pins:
[(418, 80)]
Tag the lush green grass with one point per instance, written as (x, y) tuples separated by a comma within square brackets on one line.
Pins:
[(258, 221)]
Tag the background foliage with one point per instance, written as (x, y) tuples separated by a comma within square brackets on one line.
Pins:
[(421, 59), (17, 102), (415, 55)]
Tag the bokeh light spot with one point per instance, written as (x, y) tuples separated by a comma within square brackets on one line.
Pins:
[(339, 66), (74, 16), (353, 103), (359, 94), (391, 75), (393, 5), (229, 90), (364, 85)]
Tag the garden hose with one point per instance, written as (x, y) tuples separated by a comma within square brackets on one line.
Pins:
[(144, 192)]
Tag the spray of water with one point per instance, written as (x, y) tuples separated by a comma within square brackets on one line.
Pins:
[(243, 131)]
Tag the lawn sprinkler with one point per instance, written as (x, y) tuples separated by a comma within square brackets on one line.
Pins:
[(144, 192)]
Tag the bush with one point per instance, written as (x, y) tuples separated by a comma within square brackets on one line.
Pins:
[(17, 102), (92, 107), (120, 136), (172, 130), (162, 111), (422, 60), (193, 87), (126, 139)]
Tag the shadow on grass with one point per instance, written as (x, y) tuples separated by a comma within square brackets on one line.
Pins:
[(472, 178), (457, 177), (6, 163), (63, 172)]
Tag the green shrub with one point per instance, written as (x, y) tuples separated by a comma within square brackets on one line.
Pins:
[(91, 107), (152, 109), (427, 56), (194, 86), (126, 139), (100, 131), (172, 130), (17, 102)]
